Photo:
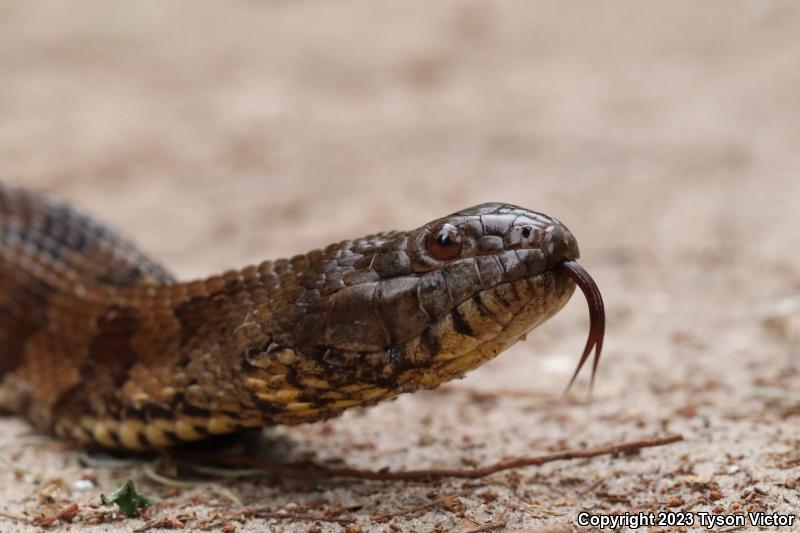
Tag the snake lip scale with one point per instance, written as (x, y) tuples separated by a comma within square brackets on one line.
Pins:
[(102, 346)]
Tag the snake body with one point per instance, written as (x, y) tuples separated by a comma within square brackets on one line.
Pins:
[(101, 345)]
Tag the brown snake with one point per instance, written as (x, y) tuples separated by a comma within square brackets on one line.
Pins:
[(102, 346)]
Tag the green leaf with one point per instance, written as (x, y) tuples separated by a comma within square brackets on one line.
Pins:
[(127, 499)]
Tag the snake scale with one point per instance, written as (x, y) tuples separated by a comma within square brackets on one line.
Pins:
[(102, 346)]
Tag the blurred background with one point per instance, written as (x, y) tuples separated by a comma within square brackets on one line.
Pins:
[(665, 135)]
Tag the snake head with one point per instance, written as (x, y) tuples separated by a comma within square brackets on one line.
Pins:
[(399, 311), (518, 238)]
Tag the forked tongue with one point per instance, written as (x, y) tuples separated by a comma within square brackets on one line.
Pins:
[(597, 317)]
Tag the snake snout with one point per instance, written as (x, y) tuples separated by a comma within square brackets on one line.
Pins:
[(560, 244), (535, 231)]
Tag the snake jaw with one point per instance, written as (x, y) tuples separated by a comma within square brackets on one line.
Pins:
[(597, 317)]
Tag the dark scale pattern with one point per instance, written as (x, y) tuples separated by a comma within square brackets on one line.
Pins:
[(23, 313)]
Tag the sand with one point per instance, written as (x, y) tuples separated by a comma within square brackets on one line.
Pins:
[(665, 135)]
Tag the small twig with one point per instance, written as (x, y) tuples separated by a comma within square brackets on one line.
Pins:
[(487, 527), (230, 473), (316, 471), (13, 517), (283, 515), (225, 492), (65, 514), (149, 472), (444, 501), (169, 522), (596, 483), (104, 461)]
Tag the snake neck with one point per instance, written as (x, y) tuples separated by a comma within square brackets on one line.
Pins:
[(224, 356)]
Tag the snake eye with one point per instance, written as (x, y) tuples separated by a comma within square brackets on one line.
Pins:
[(445, 242)]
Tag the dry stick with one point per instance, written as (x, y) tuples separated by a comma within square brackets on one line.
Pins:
[(487, 527), (283, 515), (14, 517), (444, 500), (167, 522), (315, 471), (275, 515), (64, 514)]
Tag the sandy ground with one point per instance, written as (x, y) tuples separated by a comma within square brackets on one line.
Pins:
[(665, 135)]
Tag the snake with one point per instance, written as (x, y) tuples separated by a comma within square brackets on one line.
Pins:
[(103, 347)]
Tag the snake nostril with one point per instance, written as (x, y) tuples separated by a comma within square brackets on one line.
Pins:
[(526, 232)]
